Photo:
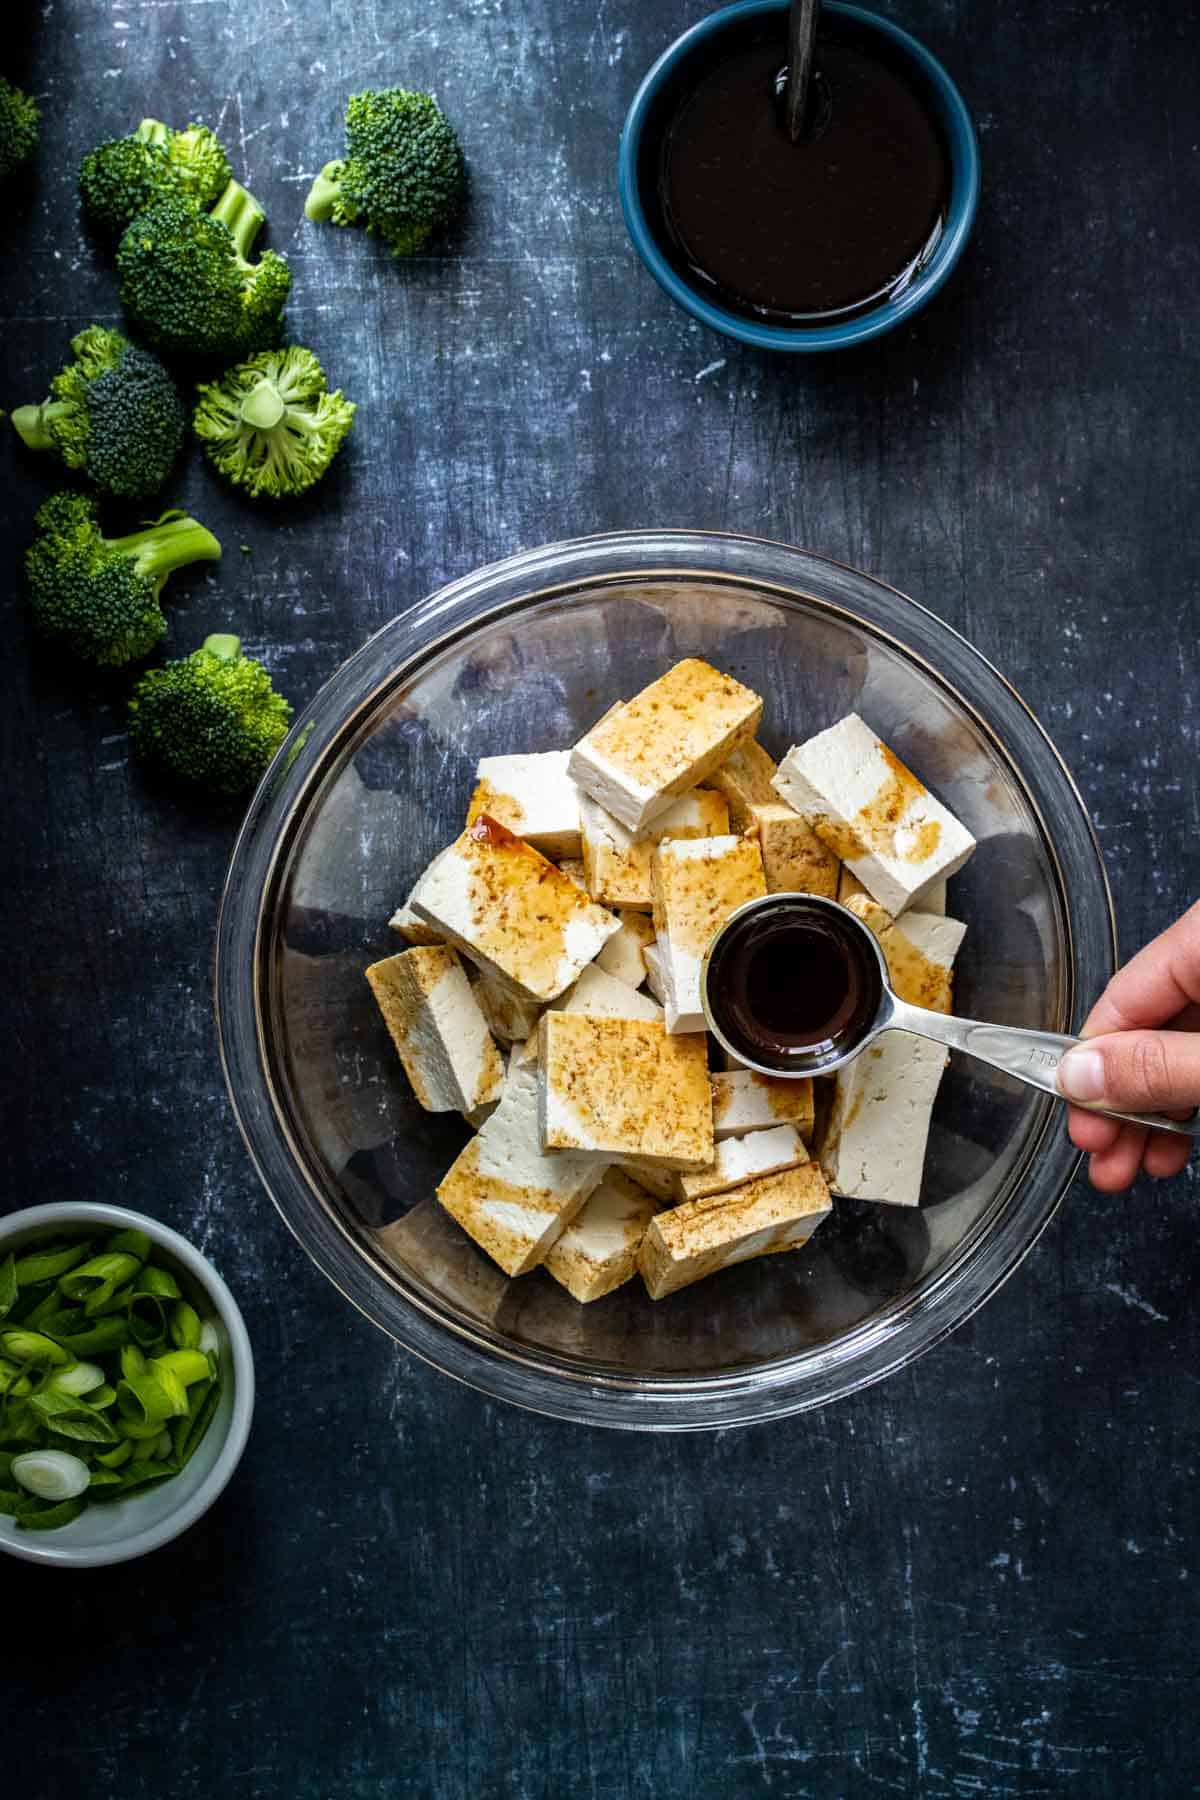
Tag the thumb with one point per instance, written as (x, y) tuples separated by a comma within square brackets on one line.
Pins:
[(1139, 1071)]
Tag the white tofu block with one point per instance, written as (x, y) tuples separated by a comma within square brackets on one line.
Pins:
[(624, 953), (698, 882), (505, 1192), (873, 1145), (623, 1087), (744, 1100), (795, 861), (919, 951), (656, 978), (741, 1159), (597, 1251), (477, 1116), (415, 931), (745, 778), (873, 813), (617, 864), (653, 1177), (510, 1016), (933, 900), (572, 866), (602, 996), (514, 913), (534, 796), (761, 1218), (437, 1028), (663, 741)]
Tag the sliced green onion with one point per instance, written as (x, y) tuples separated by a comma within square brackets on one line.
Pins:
[(139, 1474), (147, 1320), (49, 1262), (172, 1386), (50, 1474), (210, 1343), (95, 1282), (132, 1243), (80, 1378), (144, 1400), (65, 1513), (8, 1285), (158, 1282), (110, 1478), (140, 1434), (184, 1326), (103, 1336), (72, 1418), (101, 1397), (187, 1365), (163, 1446), (31, 1347), (188, 1432)]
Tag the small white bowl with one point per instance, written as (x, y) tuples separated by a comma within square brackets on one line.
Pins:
[(122, 1529)]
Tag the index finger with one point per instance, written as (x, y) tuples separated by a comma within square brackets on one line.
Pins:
[(1154, 985)]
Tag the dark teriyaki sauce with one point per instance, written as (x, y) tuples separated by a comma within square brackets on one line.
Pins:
[(808, 232), (791, 990)]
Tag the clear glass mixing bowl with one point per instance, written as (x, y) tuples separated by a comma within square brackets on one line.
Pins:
[(374, 780)]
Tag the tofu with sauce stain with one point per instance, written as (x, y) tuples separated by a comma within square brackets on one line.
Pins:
[(624, 1087), (516, 915), (761, 1218), (744, 1100), (597, 1252), (742, 1159), (534, 796), (438, 1029), (665, 740), (698, 882), (873, 813), (745, 778), (617, 864), (603, 996), (795, 861)]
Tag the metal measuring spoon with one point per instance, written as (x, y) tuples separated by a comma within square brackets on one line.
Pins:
[(796, 985)]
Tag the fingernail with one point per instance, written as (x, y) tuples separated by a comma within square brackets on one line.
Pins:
[(1081, 1075)]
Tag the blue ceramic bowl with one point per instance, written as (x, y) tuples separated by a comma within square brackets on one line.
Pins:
[(644, 120)]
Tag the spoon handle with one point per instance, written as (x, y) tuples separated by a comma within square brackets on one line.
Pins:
[(1032, 1056), (802, 38)]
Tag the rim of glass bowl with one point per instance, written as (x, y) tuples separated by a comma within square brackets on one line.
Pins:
[(330, 729)]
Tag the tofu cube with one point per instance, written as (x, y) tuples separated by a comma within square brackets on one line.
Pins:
[(600, 995), (623, 1087), (624, 955), (744, 1100), (415, 931), (919, 952), (873, 1144), (510, 1016), (617, 864), (534, 796), (653, 1177), (742, 1159), (505, 1192), (933, 900), (572, 867), (663, 741), (698, 882), (438, 1029), (761, 1218), (795, 861), (656, 978), (597, 1251), (873, 813), (745, 778), (514, 913)]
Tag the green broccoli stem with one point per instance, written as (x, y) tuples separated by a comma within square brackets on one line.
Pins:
[(238, 209), (323, 194), (170, 544), (263, 407), (31, 422), (152, 131), (224, 645)]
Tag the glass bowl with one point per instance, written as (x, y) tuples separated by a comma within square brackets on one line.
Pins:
[(374, 780)]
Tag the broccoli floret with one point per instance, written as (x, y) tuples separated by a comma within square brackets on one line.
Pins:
[(97, 597), (187, 284), (402, 175), (19, 121), (114, 413), (120, 179), (211, 721), (269, 425)]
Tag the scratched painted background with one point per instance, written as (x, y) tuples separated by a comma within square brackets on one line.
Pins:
[(977, 1579)]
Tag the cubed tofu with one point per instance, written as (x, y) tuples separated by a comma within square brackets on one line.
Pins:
[(656, 979), (602, 996), (742, 1159), (436, 1025), (597, 1251), (513, 912), (873, 1144), (653, 1177), (795, 861), (624, 953), (505, 1192), (745, 778), (534, 796), (774, 1213), (663, 741), (919, 951), (698, 882), (873, 813), (617, 864), (933, 900), (572, 866), (510, 1016), (744, 1100), (414, 931), (623, 1087)]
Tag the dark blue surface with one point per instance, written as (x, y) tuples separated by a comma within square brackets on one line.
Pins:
[(975, 1580)]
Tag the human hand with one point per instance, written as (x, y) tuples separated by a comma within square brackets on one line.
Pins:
[(1146, 1057)]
